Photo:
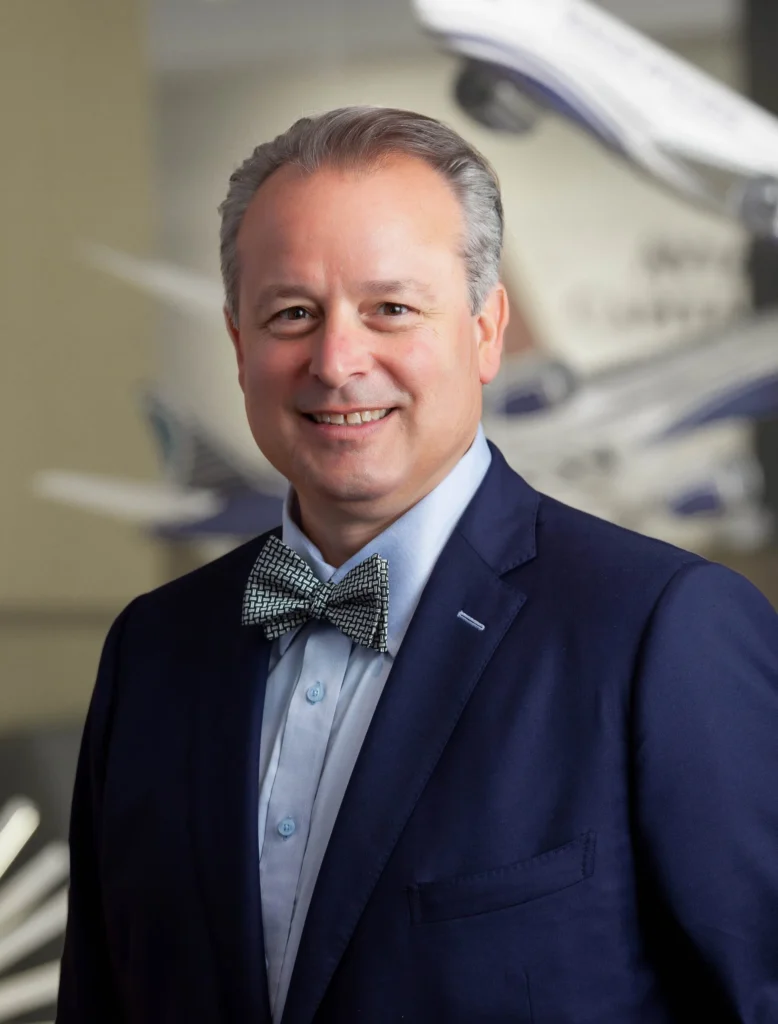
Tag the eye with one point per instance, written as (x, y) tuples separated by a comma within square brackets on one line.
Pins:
[(292, 314), (394, 308)]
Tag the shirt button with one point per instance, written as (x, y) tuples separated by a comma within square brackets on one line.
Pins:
[(286, 827), (315, 693)]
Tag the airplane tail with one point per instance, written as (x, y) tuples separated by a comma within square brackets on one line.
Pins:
[(200, 477), (190, 456)]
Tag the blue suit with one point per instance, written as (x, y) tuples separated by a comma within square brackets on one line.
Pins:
[(568, 817)]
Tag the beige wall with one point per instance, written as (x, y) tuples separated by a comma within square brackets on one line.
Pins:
[(76, 165)]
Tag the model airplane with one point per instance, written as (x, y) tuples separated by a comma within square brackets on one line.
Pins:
[(658, 112), (621, 444), (206, 488), (205, 491)]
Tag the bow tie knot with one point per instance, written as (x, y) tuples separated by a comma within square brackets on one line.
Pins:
[(318, 600), (283, 593)]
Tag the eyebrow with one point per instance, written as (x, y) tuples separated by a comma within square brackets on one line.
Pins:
[(407, 284), (297, 291)]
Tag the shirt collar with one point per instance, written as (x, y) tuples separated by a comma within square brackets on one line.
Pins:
[(411, 545)]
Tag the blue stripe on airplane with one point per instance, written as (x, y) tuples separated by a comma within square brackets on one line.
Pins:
[(758, 399), (244, 515), (543, 83)]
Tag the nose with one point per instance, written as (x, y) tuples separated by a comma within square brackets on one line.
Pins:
[(341, 351)]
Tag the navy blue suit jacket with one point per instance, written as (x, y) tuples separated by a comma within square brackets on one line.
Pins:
[(568, 817)]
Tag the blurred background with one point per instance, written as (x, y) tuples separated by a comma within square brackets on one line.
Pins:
[(126, 459)]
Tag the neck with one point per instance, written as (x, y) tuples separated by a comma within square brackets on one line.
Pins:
[(339, 536), (340, 529)]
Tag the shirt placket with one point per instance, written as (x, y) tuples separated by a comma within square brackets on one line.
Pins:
[(304, 745)]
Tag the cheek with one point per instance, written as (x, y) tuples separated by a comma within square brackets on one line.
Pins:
[(425, 359), (267, 371), (436, 367)]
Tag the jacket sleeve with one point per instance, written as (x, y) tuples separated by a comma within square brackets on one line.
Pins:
[(87, 994), (706, 777)]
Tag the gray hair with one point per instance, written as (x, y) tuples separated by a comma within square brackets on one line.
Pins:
[(359, 136)]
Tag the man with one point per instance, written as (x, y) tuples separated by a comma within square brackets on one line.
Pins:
[(440, 748)]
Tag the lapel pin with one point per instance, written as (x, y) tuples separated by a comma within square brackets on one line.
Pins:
[(471, 622)]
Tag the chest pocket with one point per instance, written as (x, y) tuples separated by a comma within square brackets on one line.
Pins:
[(502, 887)]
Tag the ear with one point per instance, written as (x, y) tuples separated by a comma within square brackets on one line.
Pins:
[(490, 331), (234, 333)]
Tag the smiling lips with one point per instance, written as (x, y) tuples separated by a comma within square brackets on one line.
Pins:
[(350, 418)]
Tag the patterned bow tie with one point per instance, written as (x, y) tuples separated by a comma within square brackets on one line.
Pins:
[(283, 593)]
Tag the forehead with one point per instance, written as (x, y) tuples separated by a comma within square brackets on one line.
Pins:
[(399, 211)]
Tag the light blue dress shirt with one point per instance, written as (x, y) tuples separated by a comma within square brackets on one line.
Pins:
[(321, 693)]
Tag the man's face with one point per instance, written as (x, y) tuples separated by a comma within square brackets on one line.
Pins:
[(354, 301)]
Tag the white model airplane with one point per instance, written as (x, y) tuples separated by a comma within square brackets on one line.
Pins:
[(623, 443), (205, 492), (620, 444), (207, 489), (658, 112)]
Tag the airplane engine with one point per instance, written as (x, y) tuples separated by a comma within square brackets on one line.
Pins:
[(656, 110), (734, 484), (487, 94), (530, 385)]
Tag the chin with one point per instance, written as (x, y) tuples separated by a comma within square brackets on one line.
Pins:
[(355, 488)]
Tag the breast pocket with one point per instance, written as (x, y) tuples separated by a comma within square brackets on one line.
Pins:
[(502, 887)]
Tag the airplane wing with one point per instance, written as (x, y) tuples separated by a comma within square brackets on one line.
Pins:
[(244, 515), (168, 511), (727, 375), (186, 289), (149, 504), (660, 113)]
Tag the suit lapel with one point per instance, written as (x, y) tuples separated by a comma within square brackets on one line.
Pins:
[(437, 669), (231, 673)]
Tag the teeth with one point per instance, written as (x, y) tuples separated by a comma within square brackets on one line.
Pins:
[(352, 418)]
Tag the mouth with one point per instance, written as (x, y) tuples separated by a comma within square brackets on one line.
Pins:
[(354, 418)]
